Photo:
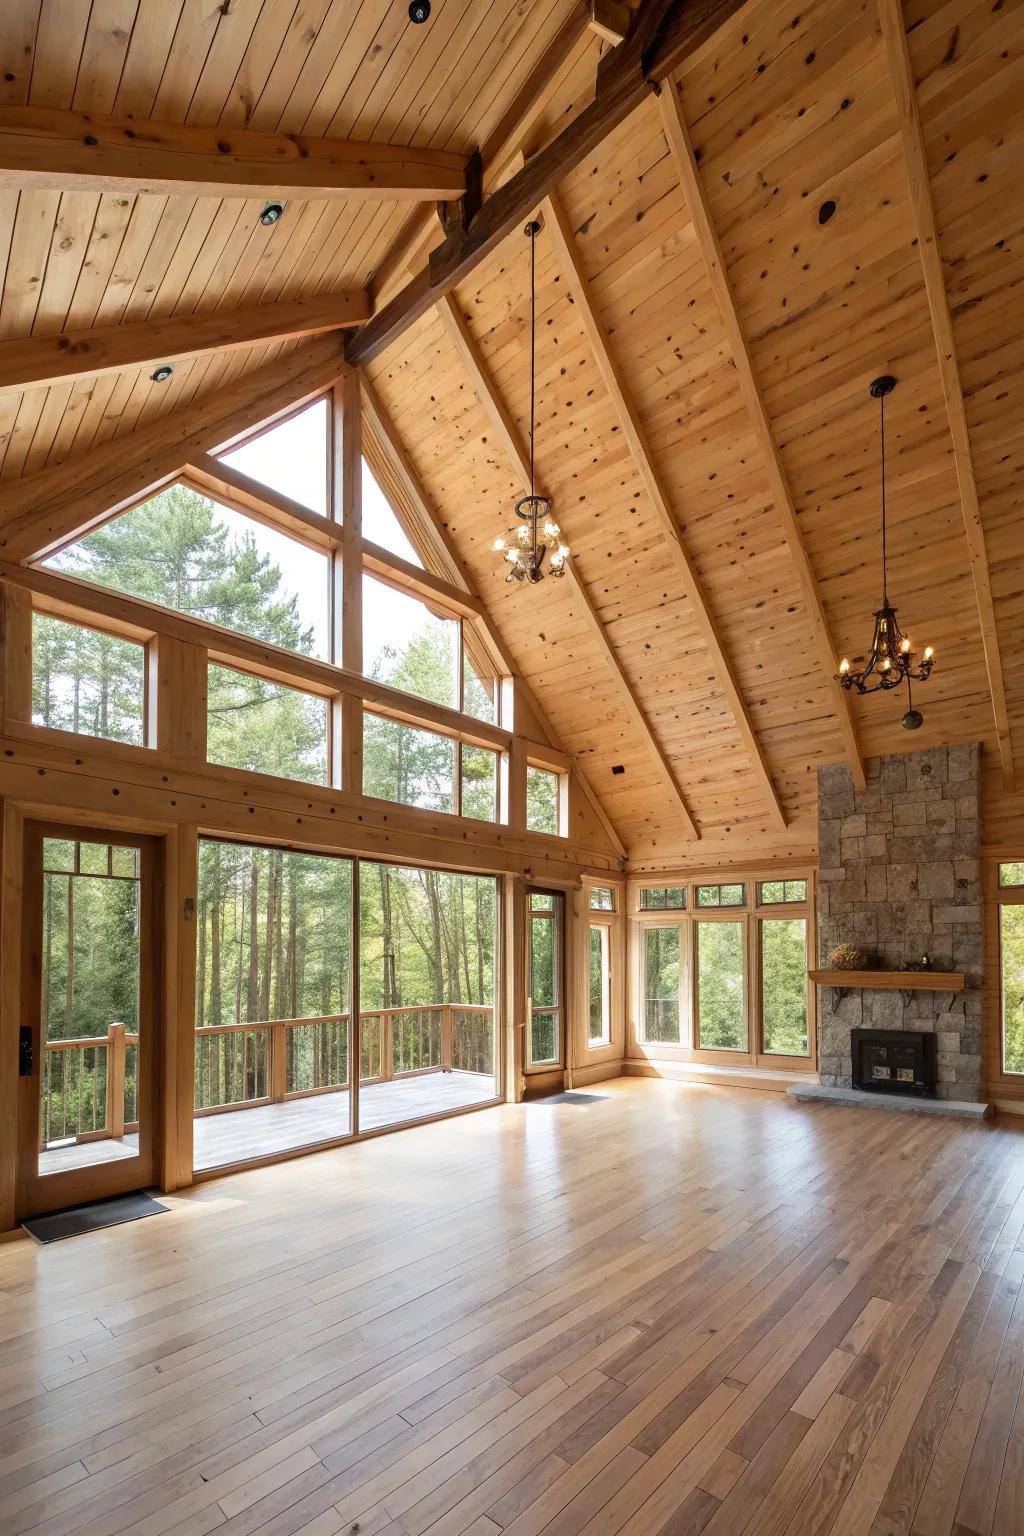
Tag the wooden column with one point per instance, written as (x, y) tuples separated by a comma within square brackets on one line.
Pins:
[(15, 653), (177, 1087), (177, 715), (11, 826), (348, 573), (514, 945)]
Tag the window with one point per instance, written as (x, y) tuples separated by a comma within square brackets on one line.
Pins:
[(479, 770), (291, 457), (721, 896), (266, 727), (273, 1004), (544, 979), (1011, 970), (87, 682), (479, 686), (380, 524), (600, 985), (1011, 874), (602, 898), (196, 557), (426, 992), (721, 990), (408, 765), (408, 646), (662, 898), (774, 892), (661, 966), (542, 795), (784, 985)]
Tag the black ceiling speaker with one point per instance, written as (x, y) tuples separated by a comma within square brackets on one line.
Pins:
[(271, 213), (419, 11), (162, 374)]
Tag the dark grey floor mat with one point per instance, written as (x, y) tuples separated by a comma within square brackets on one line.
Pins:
[(90, 1218), (571, 1096)]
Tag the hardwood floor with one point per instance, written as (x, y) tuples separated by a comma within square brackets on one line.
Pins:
[(670, 1308)]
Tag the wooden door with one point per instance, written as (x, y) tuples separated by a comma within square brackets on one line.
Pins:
[(90, 1026)]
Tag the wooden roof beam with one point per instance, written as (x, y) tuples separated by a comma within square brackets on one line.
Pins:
[(890, 13), (36, 361), (678, 136), (44, 148), (636, 437), (496, 409), (664, 33)]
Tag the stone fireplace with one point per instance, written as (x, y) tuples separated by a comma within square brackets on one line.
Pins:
[(900, 877)]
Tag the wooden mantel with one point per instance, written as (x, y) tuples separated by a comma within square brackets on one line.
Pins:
[(892, 981)]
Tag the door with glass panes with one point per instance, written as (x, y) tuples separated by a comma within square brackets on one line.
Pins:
[(545, 980), (87, 1046)]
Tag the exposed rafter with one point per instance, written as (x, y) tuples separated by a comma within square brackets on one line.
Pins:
[(635, 435), (31, 361), (437, 540), (677, 134), (43, 148), (40, 512), (890, 14), (496, 409), (663, 35)]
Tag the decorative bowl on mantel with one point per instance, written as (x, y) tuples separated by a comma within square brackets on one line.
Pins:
[(845, 957)]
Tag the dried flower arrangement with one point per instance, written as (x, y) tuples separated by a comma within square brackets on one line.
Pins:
[(845, 957)]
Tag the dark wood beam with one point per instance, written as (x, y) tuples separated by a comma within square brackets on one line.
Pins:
[(664, 34), (46, 148)]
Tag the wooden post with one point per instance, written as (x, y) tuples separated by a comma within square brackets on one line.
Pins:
[(446, 1038), (516, 1001), (278, 1063), (348, 571), (181, 688), (115, 1080), (16, 648)]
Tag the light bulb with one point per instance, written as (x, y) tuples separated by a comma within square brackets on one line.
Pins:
[(563, 551), (885, 663), (844, 666), (928, 653), (904, 646), (511, 556), (524, 535), (551, 529), (499, 545)]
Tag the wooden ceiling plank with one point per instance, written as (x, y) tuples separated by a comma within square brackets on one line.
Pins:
[(42, 512), (681, 149), (47, 148), (901, 75), (451, 563), (664, 34), (633, 430), (497, 411), (34, 361)]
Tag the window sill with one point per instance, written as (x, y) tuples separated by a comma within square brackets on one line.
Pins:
[(763, 1079)]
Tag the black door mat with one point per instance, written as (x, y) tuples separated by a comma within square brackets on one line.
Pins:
[(90, 1218), (571, 1096)]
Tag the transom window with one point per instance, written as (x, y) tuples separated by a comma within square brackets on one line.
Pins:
[(721, 896), (86, 681), (602, 898), (775, 892), (542, 796), (662, 898)]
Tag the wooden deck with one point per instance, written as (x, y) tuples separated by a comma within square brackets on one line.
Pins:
[(668, 1309), (239, 1135)]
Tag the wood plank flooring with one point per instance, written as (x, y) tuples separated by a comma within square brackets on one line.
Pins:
[(668, 1309)]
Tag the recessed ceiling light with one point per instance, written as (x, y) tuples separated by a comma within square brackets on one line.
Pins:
[(271, 213), (419, 11), (162, 374)]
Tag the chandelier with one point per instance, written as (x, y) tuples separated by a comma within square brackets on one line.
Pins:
[(891, 660), (536, 535)]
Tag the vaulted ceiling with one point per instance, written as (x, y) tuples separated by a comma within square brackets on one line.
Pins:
[(748, 386)]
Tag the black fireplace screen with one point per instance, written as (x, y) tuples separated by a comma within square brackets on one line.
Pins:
[(893, 1061)]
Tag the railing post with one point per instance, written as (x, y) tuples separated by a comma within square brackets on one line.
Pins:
[(115, 1080), (446, 1038), (278, 1063), (387, 1055)]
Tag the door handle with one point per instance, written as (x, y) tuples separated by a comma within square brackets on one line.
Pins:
[(26, 1062)]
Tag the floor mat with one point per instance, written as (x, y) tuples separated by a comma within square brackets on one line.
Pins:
[(571, 1096), (90, 1218)]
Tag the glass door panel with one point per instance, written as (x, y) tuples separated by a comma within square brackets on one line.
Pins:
[(784, 986), (721, 986), (545, 981), (87, 1034)]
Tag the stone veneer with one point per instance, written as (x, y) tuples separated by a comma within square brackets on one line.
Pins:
[(900, 876)]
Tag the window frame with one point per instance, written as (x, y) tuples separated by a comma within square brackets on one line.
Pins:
[(751, 915), (147, 642), (996, 897)]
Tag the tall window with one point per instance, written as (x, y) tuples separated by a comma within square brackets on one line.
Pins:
[(190, 554), (88, 682), (784, 985), (1010, 898), (661, 977), (721, 986), (600, 1030)]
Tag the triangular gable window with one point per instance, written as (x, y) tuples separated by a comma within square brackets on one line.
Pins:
[(380, 523), (191, 554), (291, 457)]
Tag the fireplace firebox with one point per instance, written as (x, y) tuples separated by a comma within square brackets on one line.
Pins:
[(894, 1061)]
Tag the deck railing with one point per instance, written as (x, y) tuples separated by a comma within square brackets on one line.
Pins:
[(89, 1084)]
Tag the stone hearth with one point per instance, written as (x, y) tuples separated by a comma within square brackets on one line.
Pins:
[(900, 877)]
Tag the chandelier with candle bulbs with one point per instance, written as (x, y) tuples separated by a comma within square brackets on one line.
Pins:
[(536, 536), (891, 661)]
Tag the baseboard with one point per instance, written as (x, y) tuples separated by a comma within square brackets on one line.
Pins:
[(758, 1079), (599, 1073), (1008, 1106)]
